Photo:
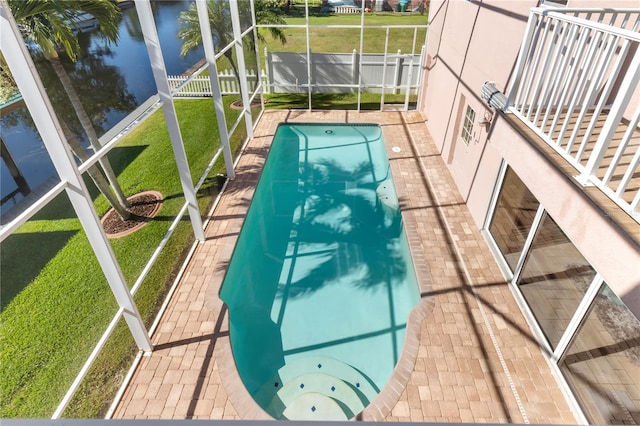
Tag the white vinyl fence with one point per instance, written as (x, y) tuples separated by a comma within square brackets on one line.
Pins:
[(330, 73), (198, 86), (342, 72)]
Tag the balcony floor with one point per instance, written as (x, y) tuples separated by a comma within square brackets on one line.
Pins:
[(470, 356), (607, 206)]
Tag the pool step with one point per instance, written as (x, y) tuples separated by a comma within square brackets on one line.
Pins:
[(314, 406), (352, 391), (388, 197), (317, 364), (317, 383)]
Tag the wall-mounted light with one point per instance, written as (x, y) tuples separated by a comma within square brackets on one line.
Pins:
[(486, 119)]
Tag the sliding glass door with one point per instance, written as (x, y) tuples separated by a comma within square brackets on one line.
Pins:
[(591, 335)]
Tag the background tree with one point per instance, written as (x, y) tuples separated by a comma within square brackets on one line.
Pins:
[(8, 87), (91, 74), (221, 29), (49, 24)]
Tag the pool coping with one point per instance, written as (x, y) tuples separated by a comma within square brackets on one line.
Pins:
[(382, 406)]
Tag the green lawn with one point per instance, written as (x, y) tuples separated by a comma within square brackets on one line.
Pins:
[(346, 101), (341, 40), (62, 307)]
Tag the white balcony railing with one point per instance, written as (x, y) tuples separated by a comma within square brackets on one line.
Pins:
[(576, 85)]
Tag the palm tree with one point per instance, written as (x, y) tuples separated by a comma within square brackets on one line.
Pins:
[(8, 88), (367, 235), (266, 15), (49, 24), (221, 28)]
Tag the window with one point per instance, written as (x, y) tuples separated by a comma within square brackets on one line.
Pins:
[(554, 3), (554, 279), (467, 127), (601, 360), (513, 217), (602, 364)]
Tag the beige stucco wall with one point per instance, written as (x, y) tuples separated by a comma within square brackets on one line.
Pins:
[(478, 42), (471, 42), (608, 249)]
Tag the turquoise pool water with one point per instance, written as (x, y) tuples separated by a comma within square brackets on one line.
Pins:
[(321, 281)]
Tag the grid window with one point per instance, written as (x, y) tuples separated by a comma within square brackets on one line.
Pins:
[(467, 127)]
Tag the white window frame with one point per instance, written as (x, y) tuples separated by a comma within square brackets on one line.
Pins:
[(554, 3), (467, 125)]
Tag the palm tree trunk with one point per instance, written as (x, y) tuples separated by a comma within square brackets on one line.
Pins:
[(85, 121), (234, 68), (14, 170), (94, 173)]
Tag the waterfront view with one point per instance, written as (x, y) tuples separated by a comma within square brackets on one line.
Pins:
[(112, 80)]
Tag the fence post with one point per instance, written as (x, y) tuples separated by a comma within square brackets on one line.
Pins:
[(264, 79), (398, 73), (354, 68), (269, 65), (232, 83), (310, 71), (250, 80), (199, 86), (221, 82)]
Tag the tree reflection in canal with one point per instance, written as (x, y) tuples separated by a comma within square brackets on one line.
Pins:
[(111, 80)]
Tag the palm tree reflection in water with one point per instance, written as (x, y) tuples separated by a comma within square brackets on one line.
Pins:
[(343, 226)]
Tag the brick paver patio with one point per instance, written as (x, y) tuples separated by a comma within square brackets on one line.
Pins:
[(469, 354)]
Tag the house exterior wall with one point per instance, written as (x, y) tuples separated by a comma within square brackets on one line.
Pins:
[(469, 43), (609, 250)]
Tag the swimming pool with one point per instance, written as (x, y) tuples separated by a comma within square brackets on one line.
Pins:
[(321, 282)]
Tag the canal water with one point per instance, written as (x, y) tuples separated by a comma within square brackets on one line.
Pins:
[(112, 80)]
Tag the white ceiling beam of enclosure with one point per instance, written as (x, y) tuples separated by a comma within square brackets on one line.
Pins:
[(46, 121), (152, 42), (242, 69), (361, 47), (210, 55), (254, 31), (306, 29)]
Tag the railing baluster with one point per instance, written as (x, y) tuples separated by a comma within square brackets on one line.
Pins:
[(530, 92), (567, 84), (521, 61), (606, 92), (621, 102), (583, 74), (592, 92), (560, 34), (569, 72), (543, 75), (558, 86), (520, 102), (624, 143), (634, 205), (569, 31)]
